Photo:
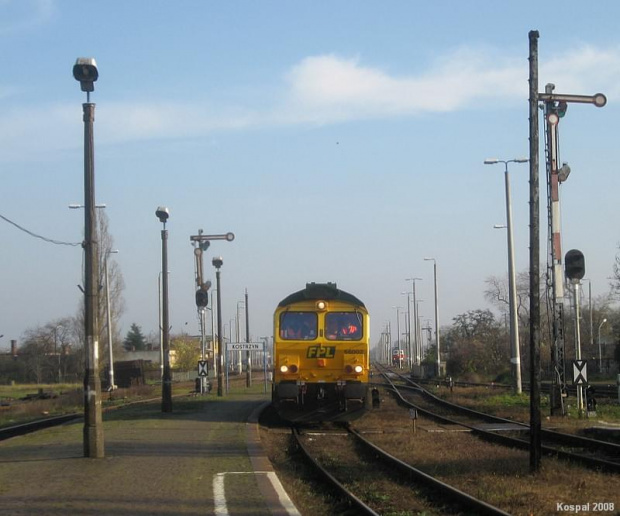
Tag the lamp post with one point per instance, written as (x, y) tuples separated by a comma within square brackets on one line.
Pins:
[(514, 320), (436, 315), (415, 320), (56, 351), (418, 336), (248, 375), (161, 331), (600, 356), (214, 345), (109, 318), (238, 338), (217, 263), (398, 308), (408, 328), (163, 214), (85, 71)]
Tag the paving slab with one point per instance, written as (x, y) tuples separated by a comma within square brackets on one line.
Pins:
[(199, 459)]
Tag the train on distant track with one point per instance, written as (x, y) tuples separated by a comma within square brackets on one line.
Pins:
[(398, 357), (321, 355)]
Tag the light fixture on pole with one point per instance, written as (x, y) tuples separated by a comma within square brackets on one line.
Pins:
[(217, 263), (162, 213), (248, 375), (397, 342), (408, 328), (437, 340), (600, 356), (78, 206), (109, 319), (85, 71), (57, 352), (416, 345), (239, 365), (515, 360)]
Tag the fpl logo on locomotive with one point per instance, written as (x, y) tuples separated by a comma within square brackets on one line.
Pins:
[(321, 352)]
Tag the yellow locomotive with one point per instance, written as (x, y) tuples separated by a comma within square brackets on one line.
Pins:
[(321, 359)]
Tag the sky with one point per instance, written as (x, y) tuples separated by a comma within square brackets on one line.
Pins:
[(339, 141)]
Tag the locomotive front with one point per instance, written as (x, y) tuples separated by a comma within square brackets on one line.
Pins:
[(321, 359)]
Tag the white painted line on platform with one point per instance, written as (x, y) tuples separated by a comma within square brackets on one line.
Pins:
[(219, 492)]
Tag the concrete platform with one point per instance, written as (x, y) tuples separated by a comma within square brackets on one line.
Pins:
[(202, 458)]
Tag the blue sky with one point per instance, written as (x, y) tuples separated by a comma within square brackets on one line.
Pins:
[(339, 140)]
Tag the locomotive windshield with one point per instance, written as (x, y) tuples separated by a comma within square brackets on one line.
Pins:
[(343, 326), (298, 326)]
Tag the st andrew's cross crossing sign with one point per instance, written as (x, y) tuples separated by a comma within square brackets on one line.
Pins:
[(580, 372)]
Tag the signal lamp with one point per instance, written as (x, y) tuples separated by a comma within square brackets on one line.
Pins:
[(575, 264), (348, 369), (293, 368)]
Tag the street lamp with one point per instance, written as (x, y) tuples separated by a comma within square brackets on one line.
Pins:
[(600, 357), (163, 214), (238, 338), (398, 308), (418, 336), (436, 315), (85, 71), (514, 321), (408, 328), (415, 321), (109, 318), (56, 352), (248, 373), (78, 206), (217, 263)]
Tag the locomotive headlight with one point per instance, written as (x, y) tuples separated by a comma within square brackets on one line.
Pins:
[(284, 369), (321, 305), (358, 369)]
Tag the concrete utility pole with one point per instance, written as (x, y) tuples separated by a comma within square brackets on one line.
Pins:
[(416, 342), (437, 340), (248, 378), (515, 359), (85, 71)]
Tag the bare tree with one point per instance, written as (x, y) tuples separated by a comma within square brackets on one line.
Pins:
[(46, 351), (615, 280), (116, 286)]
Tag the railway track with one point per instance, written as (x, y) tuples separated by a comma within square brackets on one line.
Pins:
[(355, 476), (48, 422), (608, 391), (592, 453)]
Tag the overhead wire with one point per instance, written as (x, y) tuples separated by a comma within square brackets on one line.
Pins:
[(49, 240)]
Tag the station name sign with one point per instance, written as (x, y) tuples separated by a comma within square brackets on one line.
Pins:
[(244, 346)]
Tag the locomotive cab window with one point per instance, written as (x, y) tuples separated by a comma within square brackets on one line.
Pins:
[(298, 326), (343, 326)]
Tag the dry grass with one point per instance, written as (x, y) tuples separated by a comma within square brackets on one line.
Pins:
[(68, 399), (499, 475)]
